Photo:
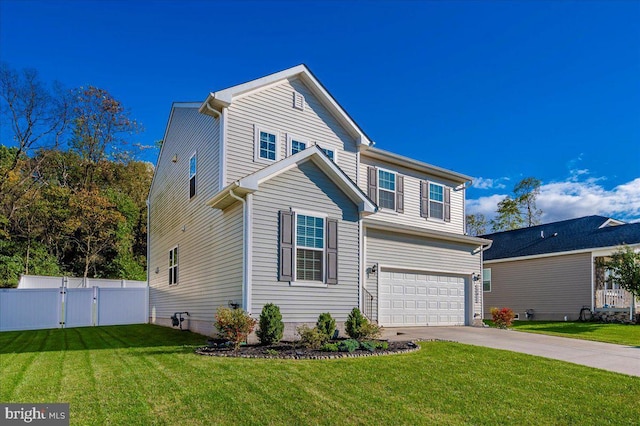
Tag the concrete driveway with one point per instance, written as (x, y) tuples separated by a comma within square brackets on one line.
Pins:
[(606, 356)]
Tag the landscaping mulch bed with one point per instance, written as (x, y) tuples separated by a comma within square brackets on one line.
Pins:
[(288, 350)]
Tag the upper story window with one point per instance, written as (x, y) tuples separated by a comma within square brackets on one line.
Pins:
[(173, 266), (192, 176), (296, 144), (386, 189), (309, 248), (330, 153), (486, 279), (267, 146), (436, 201)]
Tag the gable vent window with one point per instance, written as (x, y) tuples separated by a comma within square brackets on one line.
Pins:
[(298, 101), (192, 176)]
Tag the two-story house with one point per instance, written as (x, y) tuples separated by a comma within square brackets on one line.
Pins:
[(269, 192)]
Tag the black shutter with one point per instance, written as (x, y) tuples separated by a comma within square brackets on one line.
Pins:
[(372, 183), (399, 193), (332, 251), (192, 187), (424, 199), (286, 246), (447, 204)]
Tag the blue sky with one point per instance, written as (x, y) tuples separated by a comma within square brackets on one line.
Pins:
[(498, 90)]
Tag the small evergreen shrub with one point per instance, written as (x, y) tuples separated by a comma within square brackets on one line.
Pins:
[(348, 345), (270, 326), (382, 345), (234, 325), (358, 326), (329, 347), (503, 317), (354, 323), (368, 346), (311, 338), (326, 324)]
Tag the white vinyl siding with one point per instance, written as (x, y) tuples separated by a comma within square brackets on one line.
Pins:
[(271, 108), (210, 241), (421, 254), (411, 186), (307, 190)]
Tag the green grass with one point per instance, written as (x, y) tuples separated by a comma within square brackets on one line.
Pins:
[(621, 334), (145, 374)]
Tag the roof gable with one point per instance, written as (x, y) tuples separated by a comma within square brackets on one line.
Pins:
[(565, 236), (251, 183), (225, 97)]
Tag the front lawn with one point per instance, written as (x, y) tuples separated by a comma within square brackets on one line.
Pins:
[(622, 334), (145, 374)]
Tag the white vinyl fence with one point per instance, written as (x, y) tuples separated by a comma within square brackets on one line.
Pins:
[(40, 281), (33, 309)]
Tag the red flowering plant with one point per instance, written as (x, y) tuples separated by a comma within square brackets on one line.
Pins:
[(502, 317), (235, 325)]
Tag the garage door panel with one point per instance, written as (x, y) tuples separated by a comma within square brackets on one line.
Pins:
[(409, 298)]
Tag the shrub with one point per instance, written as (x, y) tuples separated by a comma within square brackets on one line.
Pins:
[(326, 324), (329, 347), (358, 327), (354, 323), (311, 338), (348, 345), (382, 345), (502, 318), (369, 346), (235, 325), (270, 325)]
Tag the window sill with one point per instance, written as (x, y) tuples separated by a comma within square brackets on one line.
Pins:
[(316, 284), (388, 211)]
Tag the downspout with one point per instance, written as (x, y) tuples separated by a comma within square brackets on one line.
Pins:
[(246, 250)]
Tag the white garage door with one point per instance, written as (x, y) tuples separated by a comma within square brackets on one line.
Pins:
[(410, 298)]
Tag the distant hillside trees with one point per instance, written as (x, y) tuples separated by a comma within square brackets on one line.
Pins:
[(72, 195)]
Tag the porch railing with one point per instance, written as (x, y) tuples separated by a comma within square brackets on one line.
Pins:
[(613, 299)]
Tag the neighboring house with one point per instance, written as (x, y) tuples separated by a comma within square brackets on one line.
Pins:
[(269, 192), (554, 270)]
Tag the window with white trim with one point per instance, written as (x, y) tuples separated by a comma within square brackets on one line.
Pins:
[(173, 266), (296, 144), (310, 244), (486, 280), (192, 176), (267, 144), (386, 189), (436, 200)]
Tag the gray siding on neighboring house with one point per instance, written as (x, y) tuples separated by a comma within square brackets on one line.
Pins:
[(307, 188), (419, 254), (411, 214), (209, 241), (273, 109), (552, 286)]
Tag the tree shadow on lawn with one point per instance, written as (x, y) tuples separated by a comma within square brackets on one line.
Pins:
[(102, 337)]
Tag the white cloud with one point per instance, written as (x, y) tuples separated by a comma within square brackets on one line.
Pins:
[(482, 183), (571, 199)]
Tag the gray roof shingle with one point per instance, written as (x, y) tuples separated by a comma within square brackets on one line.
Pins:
[(566, 235)]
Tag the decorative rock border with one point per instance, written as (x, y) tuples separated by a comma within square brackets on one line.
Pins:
[(229, 353)]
